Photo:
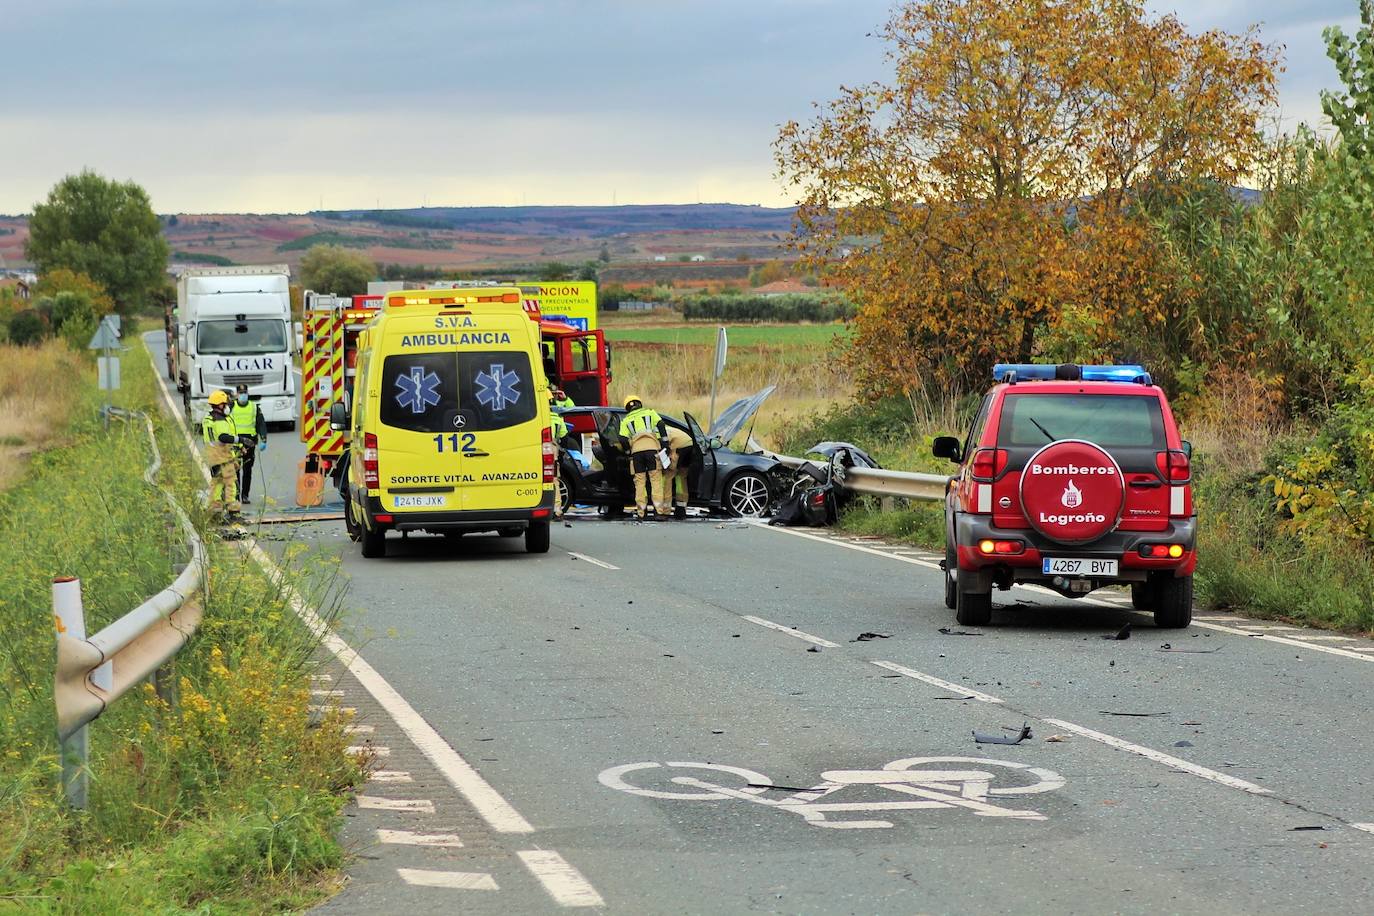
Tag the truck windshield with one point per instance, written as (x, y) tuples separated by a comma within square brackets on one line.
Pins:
[(237, 338), (444, 392), (1125, 421)]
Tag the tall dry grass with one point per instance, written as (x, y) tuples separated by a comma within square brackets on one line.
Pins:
[(39, 389), (675, 378)]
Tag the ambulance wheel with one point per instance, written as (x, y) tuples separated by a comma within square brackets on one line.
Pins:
[(351, 521), (537, 537), (373, 542), (973, 600), (1173, 601)]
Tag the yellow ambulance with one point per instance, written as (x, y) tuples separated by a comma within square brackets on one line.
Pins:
[(448, 421)]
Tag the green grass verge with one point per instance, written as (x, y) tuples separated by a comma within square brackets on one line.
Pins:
[(224, 801), (742, 335)]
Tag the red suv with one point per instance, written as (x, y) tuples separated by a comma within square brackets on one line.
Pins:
[(1072, 477)]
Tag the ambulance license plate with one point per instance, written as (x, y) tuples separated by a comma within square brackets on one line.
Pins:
[(419, 502), (1063, 566)]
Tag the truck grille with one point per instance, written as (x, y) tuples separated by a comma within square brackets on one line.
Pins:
[(249, 380)]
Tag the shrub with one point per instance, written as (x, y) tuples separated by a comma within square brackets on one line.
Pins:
[(28, 328), (766, 308)]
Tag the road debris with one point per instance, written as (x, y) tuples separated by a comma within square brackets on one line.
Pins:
[(943, 698), (1057, 739), (1123, 633), (1135, 715), (865, 637), (948, 632), (981, 738), (769, 785), (1183, 744), (814, 649), (1166, 648), (1312, 827)]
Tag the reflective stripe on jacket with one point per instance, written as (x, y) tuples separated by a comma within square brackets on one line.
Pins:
[(642, 424), (213, 427)]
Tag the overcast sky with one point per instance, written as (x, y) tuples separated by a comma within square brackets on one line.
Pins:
[(290, 105)]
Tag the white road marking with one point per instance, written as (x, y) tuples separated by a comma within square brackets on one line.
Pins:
[(1362, 648), (1287, 641), (321, 678), (1367, 828), (341, 710), (410, 838), (825, 643), (389, 776), (1263, 627), (377, 803), (1320, 638), (937, 682), (592, 560), (452, 880), (859, 547), (332, 694), (564, 883), (376, 750), (489, 803), (359, 729), (1160, 757)]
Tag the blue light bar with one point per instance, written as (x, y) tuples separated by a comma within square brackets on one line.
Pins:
[(1011, 373)]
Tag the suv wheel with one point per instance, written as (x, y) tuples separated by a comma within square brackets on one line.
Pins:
[(973, 599), (1172, 598), (951, 566)]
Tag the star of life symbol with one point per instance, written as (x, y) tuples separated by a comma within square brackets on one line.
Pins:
[(496, 388), (1072, 497), (419, 390)]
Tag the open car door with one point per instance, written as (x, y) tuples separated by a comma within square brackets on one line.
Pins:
[(583, 366), (702, 477)]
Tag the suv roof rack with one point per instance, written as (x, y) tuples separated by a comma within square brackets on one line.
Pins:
[(1012, 373)]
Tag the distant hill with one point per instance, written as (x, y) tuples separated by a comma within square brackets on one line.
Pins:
[(578, 221)]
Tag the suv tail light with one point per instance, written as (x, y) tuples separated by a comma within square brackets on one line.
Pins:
[(370, 476), (1174, 466), (988, 463), (550, 453)]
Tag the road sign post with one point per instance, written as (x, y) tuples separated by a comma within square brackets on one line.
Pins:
[(106, 340)]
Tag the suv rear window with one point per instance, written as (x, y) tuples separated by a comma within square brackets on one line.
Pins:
[(425, 392), (1124, 421)]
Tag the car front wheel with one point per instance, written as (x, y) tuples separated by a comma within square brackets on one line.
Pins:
[(951, 569), (747, 495)]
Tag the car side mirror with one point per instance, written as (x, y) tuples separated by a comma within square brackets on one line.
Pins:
[(1186, 448), (946, 447), (338, 416)]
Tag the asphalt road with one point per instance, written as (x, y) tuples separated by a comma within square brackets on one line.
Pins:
[(577, 689)]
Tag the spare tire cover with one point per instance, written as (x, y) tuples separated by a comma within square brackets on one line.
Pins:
[(1073, 492)]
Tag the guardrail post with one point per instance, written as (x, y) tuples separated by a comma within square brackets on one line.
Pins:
[(888, 503), (69, 618)]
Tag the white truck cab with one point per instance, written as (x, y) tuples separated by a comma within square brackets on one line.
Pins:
[(233, 327)]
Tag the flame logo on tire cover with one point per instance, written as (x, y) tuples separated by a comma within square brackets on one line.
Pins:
[(1072, 497)]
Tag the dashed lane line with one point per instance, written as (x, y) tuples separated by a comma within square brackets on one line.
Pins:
[(1160, 757), (389, 776), (1287, 641), (592, 560), (564, 883), (931, 679), (791, 631), (411, 838), (451, 880), (378, 803), (375, 750)]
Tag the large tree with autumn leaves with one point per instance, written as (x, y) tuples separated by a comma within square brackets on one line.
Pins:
[(984, 195)]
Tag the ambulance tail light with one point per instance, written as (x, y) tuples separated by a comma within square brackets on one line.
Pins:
[(1174, 466), (988, 463), (550, 456), (371, 479)]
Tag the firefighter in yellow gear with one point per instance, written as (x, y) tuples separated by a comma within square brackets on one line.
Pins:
[(647, 434), (560, 433), (679, 460), (561, 399), (221, 452), (252, 432)]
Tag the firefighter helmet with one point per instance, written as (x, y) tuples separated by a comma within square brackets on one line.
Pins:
[(633, 402), (218, 398)]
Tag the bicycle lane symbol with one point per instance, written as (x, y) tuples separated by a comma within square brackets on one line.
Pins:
[(924, 783)]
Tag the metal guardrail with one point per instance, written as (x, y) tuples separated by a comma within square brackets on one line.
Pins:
[(93, 672), (882, 482)]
